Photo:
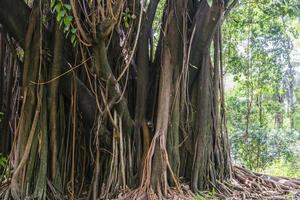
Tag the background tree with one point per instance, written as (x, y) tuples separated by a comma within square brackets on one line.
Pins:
[(262, 104)]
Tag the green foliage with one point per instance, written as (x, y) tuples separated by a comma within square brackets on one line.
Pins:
[(209, 2), (3, 161), (1, 116), (127, 17), (266, 142), (261, 108), (290, 196), (207, 195), (65, 19), (199, 197), (157, 23), (3, 166), (212, 194), (297, 109), (281, 167)]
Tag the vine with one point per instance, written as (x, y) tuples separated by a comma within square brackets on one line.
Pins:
[(64, 19)]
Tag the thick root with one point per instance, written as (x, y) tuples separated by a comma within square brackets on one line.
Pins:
[(250, 185)]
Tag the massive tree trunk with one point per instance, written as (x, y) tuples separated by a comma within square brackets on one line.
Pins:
[(84, 127)]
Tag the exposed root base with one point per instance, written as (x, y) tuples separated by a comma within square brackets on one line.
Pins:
[(245, 184), (250, 185), (149, 194)]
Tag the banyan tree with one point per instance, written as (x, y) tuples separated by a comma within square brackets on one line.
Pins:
[(112, 98)]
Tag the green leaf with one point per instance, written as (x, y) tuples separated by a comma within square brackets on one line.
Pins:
[(73, 37), (59, 16), (52, 4), (67, 6), (209, 2), (73, 30), (66, 28), (58, 7), (63, 12), (60, 23), (126, 24), (68, 20)]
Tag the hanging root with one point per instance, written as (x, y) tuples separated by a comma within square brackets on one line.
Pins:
[(146, 190)]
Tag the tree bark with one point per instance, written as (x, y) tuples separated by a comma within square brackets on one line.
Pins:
[(14, 15), (190, 137)]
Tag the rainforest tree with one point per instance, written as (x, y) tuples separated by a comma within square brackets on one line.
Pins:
[(263, 103), (94, 106)]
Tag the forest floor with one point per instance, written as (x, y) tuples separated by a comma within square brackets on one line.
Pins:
[(246, 184), (243, 185)]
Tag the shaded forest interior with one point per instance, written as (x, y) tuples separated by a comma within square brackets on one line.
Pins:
[(126, 99)]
